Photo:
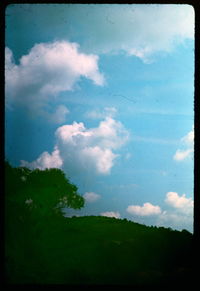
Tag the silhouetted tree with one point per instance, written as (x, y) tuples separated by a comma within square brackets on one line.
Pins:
[(34, 200), (43, 191)]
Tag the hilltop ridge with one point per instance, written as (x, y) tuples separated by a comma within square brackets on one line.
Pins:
[(44, 247), (102, 250)]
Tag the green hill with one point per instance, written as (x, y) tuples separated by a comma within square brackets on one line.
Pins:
[(44, 247), (99, 250)]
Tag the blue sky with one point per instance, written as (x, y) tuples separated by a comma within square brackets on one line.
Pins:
[(106, 93)]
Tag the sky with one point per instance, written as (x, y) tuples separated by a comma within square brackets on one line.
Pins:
[(105, 92)]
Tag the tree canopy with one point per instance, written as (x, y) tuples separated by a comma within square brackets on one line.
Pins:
[(44, 191)]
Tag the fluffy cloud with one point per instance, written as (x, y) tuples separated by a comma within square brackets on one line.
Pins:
[(145, 210), (187, 144), (111, 214), (139, 30), (175, 220), (47, 70), (45, 160), (84, 151), (181, 203), (180, 215), (91, 197), (91, 149)]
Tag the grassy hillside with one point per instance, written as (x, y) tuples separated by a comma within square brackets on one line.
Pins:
[(44, 247), (99, 250)]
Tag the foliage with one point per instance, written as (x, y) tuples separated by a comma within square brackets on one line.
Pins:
[(43, 247), (44, 191)]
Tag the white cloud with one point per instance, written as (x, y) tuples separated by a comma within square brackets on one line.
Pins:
[(176, 220), (9, 61), (181, 155), (180, 216), (45, 160), (187, 144), (181, 203), (139, 30), (47, 70), (145, 210), (101, 159), (111, 214), (84, 151), (91, 149), (189, 138), (91, 197)]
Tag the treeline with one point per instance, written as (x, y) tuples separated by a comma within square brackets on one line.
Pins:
[(44, 247)]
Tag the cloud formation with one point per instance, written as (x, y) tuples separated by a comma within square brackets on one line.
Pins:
[(91, 150), (146, 210), (45, 161), (47, 70), (187, 147), (111, 214), (181, 155), (91, 197), (139, 30), (82, 150), (181, 203), (175, 220), (179, 215)]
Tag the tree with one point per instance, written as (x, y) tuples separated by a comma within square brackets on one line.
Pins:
[(43, 191), (34, 200)]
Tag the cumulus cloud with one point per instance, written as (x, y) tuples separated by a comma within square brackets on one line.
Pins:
[(91, 197), (45, 161), (47, 70), (187, 144), (91, 149), (181, 203), (82, 150), (146, 210), (111, 214), (140, 30), (175, 220), (180, 215)]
